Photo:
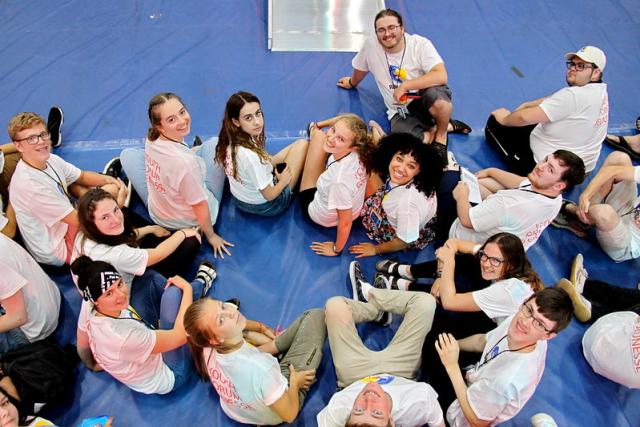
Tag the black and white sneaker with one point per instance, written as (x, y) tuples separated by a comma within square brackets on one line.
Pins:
[(207, 273), (385, 318), (114, 168), (54, 124), (357, 279)]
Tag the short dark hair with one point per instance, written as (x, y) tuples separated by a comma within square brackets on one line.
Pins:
[(574, 172), (554, 304), (431, 165), (387, 12)]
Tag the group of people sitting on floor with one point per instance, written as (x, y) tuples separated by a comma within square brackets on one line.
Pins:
[(479, 303)]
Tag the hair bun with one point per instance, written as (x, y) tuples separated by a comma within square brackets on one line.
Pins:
[(80, 265)]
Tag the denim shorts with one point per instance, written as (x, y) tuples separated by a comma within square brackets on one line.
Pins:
[(269, 208)]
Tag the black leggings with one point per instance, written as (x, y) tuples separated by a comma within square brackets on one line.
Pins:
[(606, 298), (512, 145), (179, 262), (468, 277)]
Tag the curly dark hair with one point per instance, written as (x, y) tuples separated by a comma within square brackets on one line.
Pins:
[(431, 165)]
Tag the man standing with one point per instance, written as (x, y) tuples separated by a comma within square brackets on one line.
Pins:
[(611, 204), (405, 64), (574, 118), (515, 204)]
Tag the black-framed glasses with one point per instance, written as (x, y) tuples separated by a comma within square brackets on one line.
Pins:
[(33, 139), (537, 323), (496, 262), (578, 66), (390, 29)]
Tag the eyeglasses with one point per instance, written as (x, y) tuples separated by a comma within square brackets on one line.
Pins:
[(496, 262), (537, 323), (390, 29), (33, 139), (579, 66)]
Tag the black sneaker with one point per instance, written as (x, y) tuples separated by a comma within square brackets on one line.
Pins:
[(114, 168), (54, 124), (197, 141), (207, 273), (385, 318), (357, 278)]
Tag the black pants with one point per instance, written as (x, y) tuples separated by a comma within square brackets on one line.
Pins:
[(606, 298), (179, 262), (447, 208), (468, 277), (512, 144)]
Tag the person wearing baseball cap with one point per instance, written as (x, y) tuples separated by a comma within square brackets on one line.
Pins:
[(574, 118)]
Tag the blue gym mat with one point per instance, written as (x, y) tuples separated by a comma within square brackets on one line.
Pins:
[(103, 61)]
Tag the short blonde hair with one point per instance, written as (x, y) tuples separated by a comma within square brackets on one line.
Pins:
[(22, 121)]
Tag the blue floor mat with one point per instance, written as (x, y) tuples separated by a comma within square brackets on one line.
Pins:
[(103, 62)]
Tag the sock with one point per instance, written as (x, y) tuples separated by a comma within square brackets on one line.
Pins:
[(366, 287), (403, 284), (405, 271)]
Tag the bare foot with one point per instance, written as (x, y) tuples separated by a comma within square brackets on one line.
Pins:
[(632, 140), (376, 130)]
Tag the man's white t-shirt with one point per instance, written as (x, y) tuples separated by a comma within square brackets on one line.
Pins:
[(123, 348), (39, 200), (128, 261), (253, 176), (578, 123), (498, 389), (414, 403), (502, 298), (612, 347), (341, 186), (519, 211), (408, 211), (420, 56), (176, 181), (248, 381), (19, 271)]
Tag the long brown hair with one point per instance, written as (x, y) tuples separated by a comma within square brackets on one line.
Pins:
[(362, 140), (154, 116), (198, 334), (516, 263), (86, 211), (233, 136)]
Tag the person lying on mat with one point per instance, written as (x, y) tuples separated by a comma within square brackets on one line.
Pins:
[(477, 285), (255, 387), (515, 204), (513, 357), (260, 184), (181, 187), (334, 178), (400, 209), (378, 387), (574, 118), (107, 235), (41, 190), (407, 64), (611, 204), (137, 337), (30, 300)]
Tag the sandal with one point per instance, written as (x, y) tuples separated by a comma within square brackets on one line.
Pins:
[(569, 221), (389, 281), (310, 127), (460, 127), (622, 145), (390, 266)]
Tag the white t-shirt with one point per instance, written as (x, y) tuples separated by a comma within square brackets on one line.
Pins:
[(578, 123), (176, 181), (123, 348), (248, 381), (3, 218), (128, 261), (253, 176), (414, 403), (518, 211), (408, 211), (503, 298), (19, 271), (420, 56), (341, 186), (499, 389), (38, 197), (612, 347)]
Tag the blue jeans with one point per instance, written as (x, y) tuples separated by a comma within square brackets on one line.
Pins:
[(11, 339), (159, 307), (133, 163), (269, 208)]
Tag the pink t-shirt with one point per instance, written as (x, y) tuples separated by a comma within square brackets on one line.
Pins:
[(176, 181)]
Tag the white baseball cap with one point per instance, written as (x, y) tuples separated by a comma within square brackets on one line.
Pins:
[(590, 54)]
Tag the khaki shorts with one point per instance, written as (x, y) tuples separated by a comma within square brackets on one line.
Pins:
[(623, 241)]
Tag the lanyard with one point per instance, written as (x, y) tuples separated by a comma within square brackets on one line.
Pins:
[(58, 181), (336, 161), (523, 188), (133, 315), (404, 49), (494, 353), (388, 188)]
